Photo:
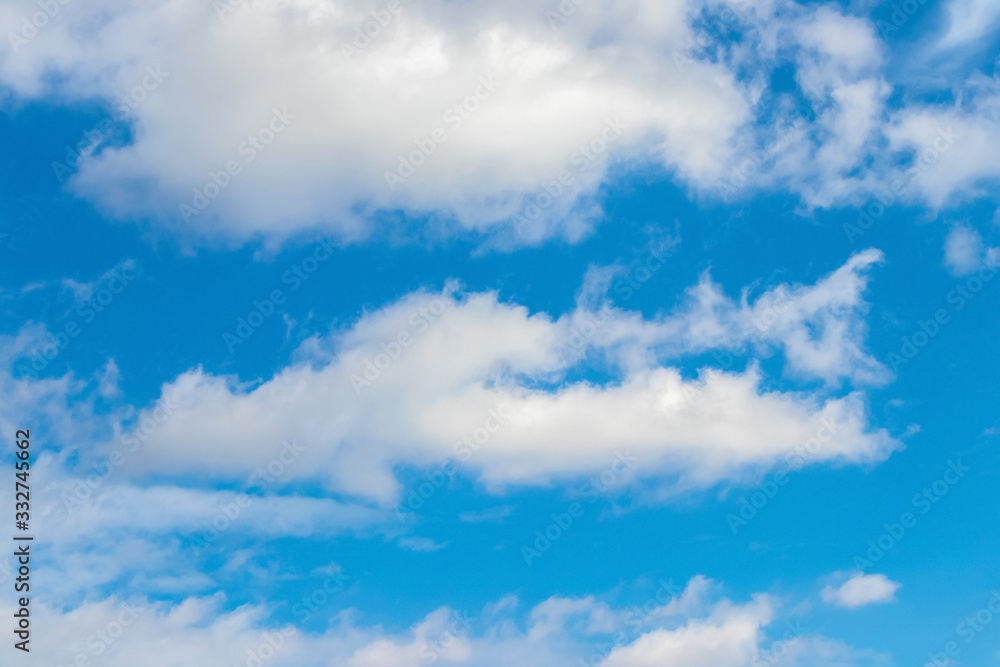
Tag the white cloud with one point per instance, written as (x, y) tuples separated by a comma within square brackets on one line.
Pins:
[(102, 530), (468, 354), (108, 385), (557, 632), (483, 382), (61, 403), (820, 328), (952, 148), (691, 103), (968, 21), (354, 118), (860, 144), (861, 590), (817, 141), (846, 43), (728, 638), (963, 250)]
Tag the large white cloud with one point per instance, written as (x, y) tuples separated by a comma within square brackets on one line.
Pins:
[(543, 95), (132, 540), (422, 381), (644, 83), (464, 376)]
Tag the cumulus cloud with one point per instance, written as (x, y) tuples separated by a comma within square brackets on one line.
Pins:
[(469, 378), (861, 590), (533, 102), (729, 637), (481, 117), (952, 147), (841, 139), (466, 377), (559, 631)]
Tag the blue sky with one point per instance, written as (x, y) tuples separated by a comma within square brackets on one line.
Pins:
[(616, 333)]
